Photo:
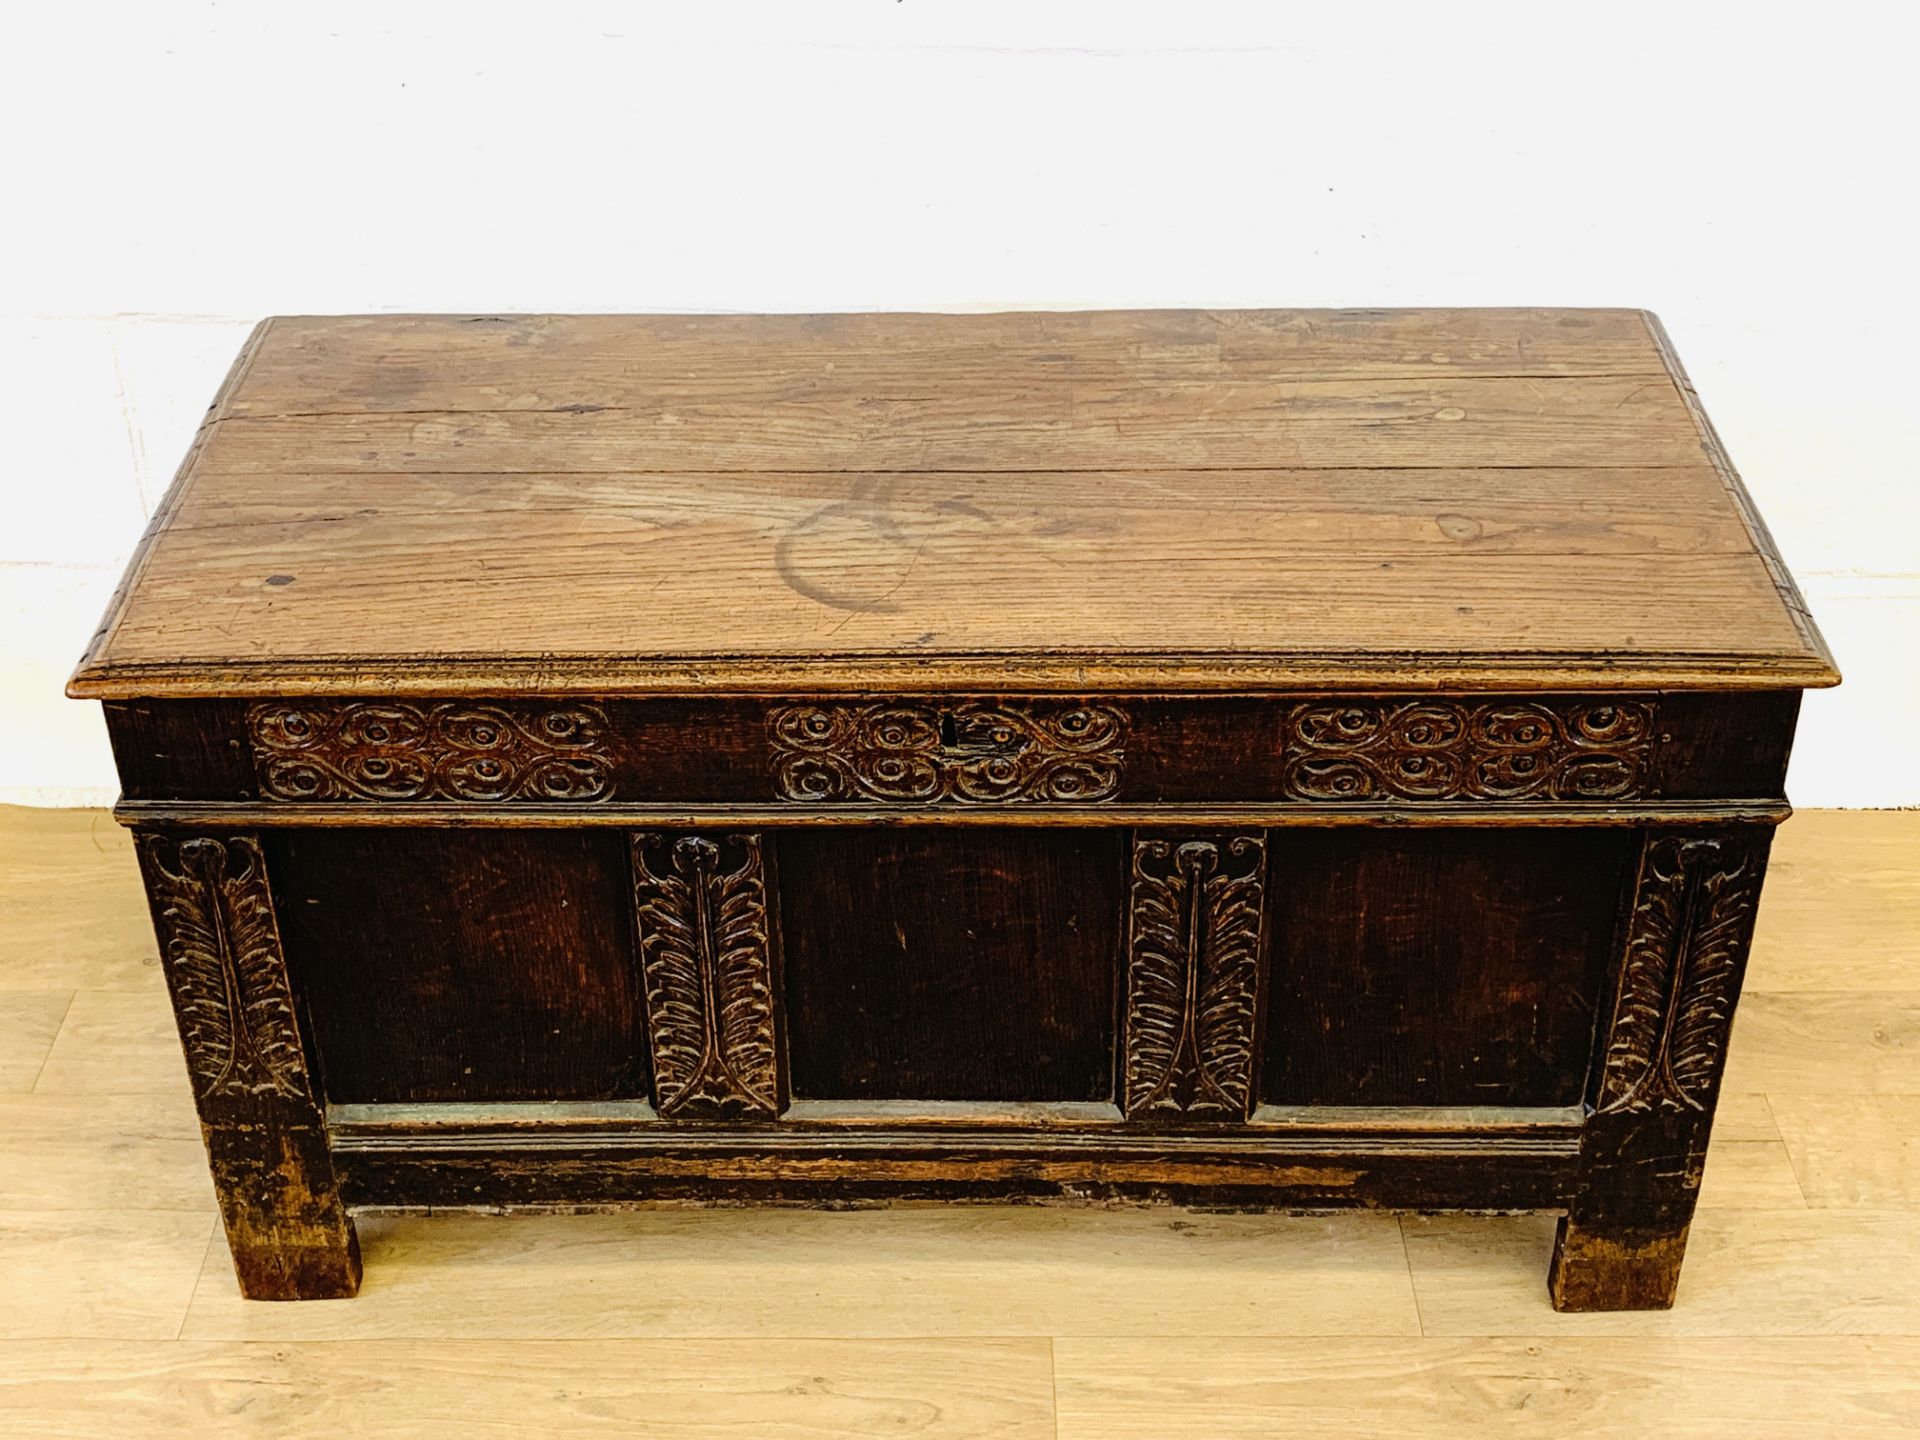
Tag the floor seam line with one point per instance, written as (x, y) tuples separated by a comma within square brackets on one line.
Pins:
[(39, 1074)]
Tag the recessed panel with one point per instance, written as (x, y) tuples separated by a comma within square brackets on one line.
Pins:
[(967, 964), (1440, 967), (464, 964)]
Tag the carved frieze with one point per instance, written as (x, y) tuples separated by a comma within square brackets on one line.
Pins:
[(700, 902), (447, 750), (223, 961), (1693, 912), (966, 752), (1194, 960), (1438, 749)]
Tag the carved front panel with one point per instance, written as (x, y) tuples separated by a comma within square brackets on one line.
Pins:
[(1194, 962), (1468, 750), (700, 902), (968, 751), (224, 965), (451, 750), (1693, 914)]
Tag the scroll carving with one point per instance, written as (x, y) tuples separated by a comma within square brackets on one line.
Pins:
[(706, 959), (1693, 913), (968, 752), (454, 750), (224, 965), (1464, 750), (1194, 959)]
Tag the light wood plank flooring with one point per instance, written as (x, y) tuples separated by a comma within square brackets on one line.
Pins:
[(1799, 1311)]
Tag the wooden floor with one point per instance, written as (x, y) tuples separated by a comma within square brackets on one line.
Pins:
[(1799, 1311)]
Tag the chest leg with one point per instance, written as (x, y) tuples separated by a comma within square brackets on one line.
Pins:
[(1662, 1049), (213, 913)]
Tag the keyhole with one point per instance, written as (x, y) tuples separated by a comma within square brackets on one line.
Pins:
[(949, 730)]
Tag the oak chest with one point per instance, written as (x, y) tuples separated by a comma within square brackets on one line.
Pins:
[(1290, 759)]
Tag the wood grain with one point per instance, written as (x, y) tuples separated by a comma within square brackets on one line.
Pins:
[(1842, 911), (29, 1021), (359, 364), (514, 949), (1865, 1042), (1745, 1117), (907, 1272), (1044, 423), (114, 1042), (1853, 1151), (72, 914), (951, 965), (1412, 970), (1748, 1166), (779, 1389), (632, 504), (1792, 1271), (1228, 1387), (1161, 564), (107, 1274), (1750, 1175), (136, 1152)]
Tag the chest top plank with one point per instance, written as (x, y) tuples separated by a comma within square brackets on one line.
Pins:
[(1181, 500)]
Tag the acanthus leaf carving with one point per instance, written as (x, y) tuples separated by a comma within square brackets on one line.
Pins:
[(443, 750), (225, 967), (1693, 912), (705, 955), (1194, 958), (970, 752)]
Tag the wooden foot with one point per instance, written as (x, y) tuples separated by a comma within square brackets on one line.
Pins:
[(290, 1237), (285, 1272), (1615, 1270)]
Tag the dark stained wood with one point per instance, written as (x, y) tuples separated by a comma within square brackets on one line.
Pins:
[(1220, 1169), (220, 944), (1196, 975), (285, 1216), (452, 965), (709, 954), (951, 965), (1417, 970), (1172, 749), (1311, 758), (1662, 1049), (1713, 745), (181, 749)]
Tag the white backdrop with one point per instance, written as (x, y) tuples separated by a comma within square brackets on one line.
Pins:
[(174, 171)]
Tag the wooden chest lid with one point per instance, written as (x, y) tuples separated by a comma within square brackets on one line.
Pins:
[(1178, 500)]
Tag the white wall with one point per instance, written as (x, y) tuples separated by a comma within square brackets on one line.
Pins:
[(174, 171)]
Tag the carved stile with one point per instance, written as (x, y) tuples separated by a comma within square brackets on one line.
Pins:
[(700, 903), (288, 1231), (1693, 913), (224, 965), (1194, 962)]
